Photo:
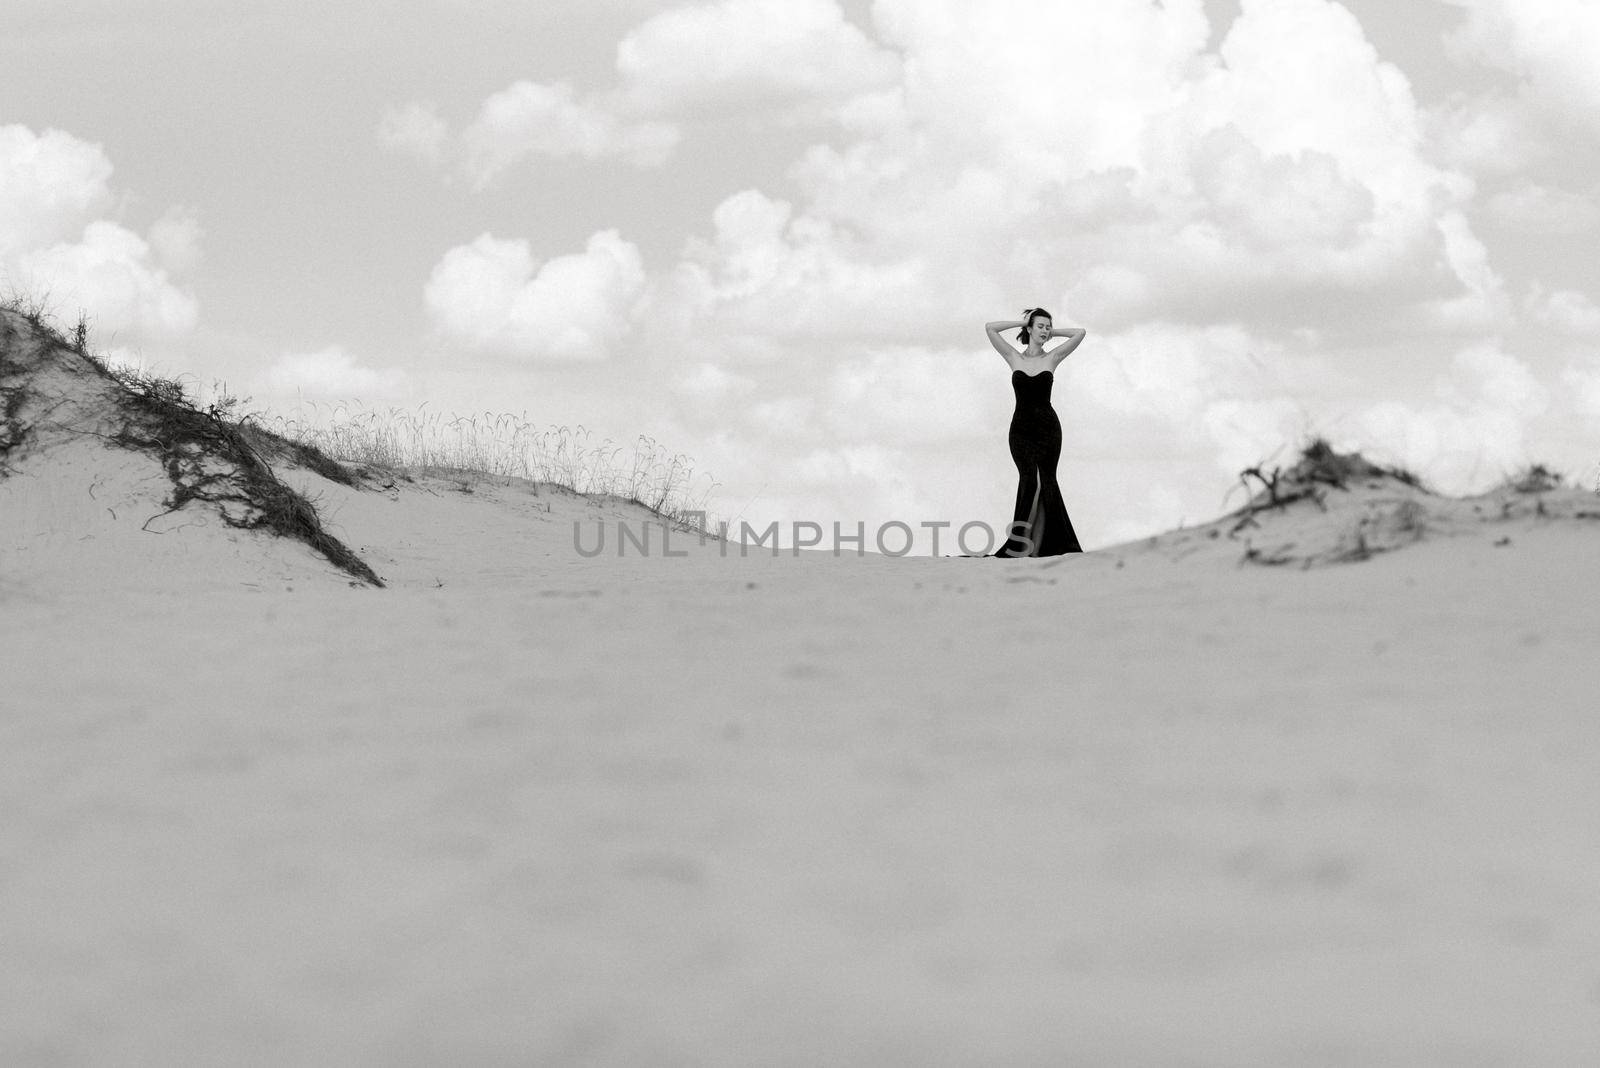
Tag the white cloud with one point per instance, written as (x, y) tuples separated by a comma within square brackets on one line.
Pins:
[(175, 240), (50, 185), (1484, 304), (1169, 371), (494, 296), (1271, 202), (1568, 311), (1581, 379), (770, 273), (333, 373), (1476, 431), (527, 119), (1549, 46), (787, 61), (1484, 377), (55, 245), (766, 56), (522, 120), (1181, 187), (909, 394), (705, 391), (1490, 133), (110, 274)]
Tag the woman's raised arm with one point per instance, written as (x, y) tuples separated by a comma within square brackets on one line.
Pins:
[(1074, 336), (1003, 347)]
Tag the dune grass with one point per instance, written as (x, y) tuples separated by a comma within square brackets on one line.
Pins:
[(158, 417), (341, 439), (489, 446)]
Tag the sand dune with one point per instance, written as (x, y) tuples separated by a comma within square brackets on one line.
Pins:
[(1313, 783)]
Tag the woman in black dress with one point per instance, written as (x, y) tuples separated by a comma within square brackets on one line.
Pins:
[(1039, 524)]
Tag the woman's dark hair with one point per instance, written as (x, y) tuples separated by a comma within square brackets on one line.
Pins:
[(1028, 322)]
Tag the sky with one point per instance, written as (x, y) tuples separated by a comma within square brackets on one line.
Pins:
[(767, 234)]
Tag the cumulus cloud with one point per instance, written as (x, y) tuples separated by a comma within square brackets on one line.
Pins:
[(334, 373), (526, 119), (1477, 428), (1161, 369), (529, 119), (1186, 186), (50, 185), (493, 295), (1491, 133), (1567, 311), (1484, 304), (1580, 378), (704, 391), (912, 394), (765, 271), (786, 61), (1548, 46), (1484, 377), (793, 58), (54, 244), (110, 273), (175, 240)]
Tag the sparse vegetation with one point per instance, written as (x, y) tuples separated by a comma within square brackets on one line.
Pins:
[(478, 448), (1319, 464), (350, 445), (1535, 478), (206, 454)]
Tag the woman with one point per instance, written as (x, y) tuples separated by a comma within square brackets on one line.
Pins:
[(1039, 524)]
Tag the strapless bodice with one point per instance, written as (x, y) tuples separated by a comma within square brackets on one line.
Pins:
[(1031, 389)]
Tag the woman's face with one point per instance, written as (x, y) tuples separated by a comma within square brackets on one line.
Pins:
[(1039, 329)]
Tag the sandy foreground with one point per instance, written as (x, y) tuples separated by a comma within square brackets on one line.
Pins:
[(1148, 805)]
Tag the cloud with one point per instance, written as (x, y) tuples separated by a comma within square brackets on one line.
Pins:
[(110, 274), (1186, 186), (766, 272), (1539, 89), (54, 244), (1486, 378), (908, 393), (1567, 311), (704, 391), (1548, 46), (1477, 429), (793, 58), (50, 185), (1169, 371), (1492, 133), (528, 119), (492, 295), (334, 373), (1484, 304), (1580, 378), (784, 61)]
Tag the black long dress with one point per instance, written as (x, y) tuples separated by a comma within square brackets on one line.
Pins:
[(1035, 439)]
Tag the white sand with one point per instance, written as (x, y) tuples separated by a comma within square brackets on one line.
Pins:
[(1142, 806)]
